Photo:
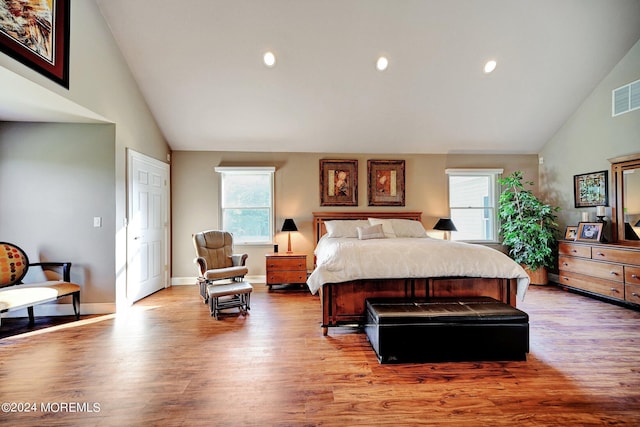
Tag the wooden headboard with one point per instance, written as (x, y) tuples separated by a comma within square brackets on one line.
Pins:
[(319, 218)]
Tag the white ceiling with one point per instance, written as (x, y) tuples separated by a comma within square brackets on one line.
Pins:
[(199, 66)]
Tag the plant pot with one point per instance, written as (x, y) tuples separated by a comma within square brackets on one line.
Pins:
[(538, 277)]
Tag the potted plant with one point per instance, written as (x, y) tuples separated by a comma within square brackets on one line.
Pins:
[(528, 227)]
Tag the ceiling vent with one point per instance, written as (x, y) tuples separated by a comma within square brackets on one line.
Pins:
[(626, 98)]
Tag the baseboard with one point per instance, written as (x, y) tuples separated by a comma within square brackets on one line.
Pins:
[(64, 310), (181, 281)]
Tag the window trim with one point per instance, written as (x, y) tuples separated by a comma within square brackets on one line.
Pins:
[(248, 170), (495, 173)]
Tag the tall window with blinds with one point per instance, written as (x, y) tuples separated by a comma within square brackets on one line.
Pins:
[(473, 195), (246, 203)]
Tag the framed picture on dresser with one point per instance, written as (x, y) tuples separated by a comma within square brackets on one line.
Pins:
[(570, 232), (589, 231)]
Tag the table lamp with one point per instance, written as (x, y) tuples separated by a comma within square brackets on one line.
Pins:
[(446, 225), (289, 226)]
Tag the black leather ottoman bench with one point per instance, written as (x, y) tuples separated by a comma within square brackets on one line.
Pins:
[(446, 329)]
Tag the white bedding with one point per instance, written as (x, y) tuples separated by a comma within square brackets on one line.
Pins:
[(344, 259)]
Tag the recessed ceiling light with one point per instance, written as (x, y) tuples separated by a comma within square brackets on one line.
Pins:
[(490, 66), (269, 59), (382, 63)]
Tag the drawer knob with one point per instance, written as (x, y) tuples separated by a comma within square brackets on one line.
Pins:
[(565, 264), (634, 276), (614, 290), (613, 273), (574, 251), (600, 254), (634, 294)]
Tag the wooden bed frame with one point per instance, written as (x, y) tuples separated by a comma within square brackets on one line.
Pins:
[(343, 304)]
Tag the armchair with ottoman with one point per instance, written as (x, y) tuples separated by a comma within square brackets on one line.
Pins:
[(217, 262)]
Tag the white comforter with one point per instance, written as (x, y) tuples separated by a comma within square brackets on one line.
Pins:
[(344, 259)]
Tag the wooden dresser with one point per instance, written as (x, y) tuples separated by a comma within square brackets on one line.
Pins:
[(608, 270), (284, 268)]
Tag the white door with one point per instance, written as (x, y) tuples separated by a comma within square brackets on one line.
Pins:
[(147, 226)]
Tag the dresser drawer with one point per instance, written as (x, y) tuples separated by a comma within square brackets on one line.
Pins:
[(572, 249), (632, 275), (592, 284), (601, 270), (616, 255), (632, 293), (278, 277), (288, 263)]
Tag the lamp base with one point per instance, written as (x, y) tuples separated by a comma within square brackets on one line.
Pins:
[(604, 225)]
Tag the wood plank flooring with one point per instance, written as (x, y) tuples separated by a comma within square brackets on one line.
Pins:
[(166, 362)]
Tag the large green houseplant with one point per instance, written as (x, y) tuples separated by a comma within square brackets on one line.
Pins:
[(528, 227)]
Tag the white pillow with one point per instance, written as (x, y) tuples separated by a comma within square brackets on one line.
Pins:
[(371, 232), (408, 228), (344, 228), (387, 227)]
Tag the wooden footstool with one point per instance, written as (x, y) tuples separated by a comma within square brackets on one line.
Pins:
[(229, 295)]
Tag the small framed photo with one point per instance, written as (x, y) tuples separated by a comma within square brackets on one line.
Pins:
[(571, 232), (591, 189), (338, 183), (386, 182), (589, 231)]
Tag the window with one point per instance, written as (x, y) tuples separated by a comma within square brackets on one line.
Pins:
[(473, 202), (246, 203)]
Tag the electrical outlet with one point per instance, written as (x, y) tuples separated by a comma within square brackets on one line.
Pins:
[(97, 221), (540, 160)]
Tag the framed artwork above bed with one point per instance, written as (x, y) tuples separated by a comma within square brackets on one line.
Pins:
[(338, 183), (386, 182)]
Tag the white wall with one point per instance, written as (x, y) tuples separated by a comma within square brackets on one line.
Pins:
[(588, 139), (52, 183), (101, 82), (195, 188)]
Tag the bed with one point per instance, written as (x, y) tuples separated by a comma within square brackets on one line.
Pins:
[(349, 270)]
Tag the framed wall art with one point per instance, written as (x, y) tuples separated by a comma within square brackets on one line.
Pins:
[(338, 183), (589, 231), (386, 182), (591, 189), (36, 33)]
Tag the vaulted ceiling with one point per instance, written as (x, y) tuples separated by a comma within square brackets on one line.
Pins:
[(199, 65)]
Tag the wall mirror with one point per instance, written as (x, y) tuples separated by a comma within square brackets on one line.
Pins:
[(625, 174)]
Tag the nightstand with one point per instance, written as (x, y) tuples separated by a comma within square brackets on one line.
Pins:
[(284, 268)]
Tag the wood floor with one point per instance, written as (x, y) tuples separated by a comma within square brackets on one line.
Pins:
[(168, 363)]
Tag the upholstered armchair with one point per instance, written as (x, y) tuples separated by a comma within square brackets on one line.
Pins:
[(216, 260)]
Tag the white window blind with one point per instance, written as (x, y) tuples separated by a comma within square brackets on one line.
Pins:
[(473, 196), (246, 203)]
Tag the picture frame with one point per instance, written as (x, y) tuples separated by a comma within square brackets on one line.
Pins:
[(589, 231), (591, 189), (338, 182), (386, 182), (571, 232), (36, 34)]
